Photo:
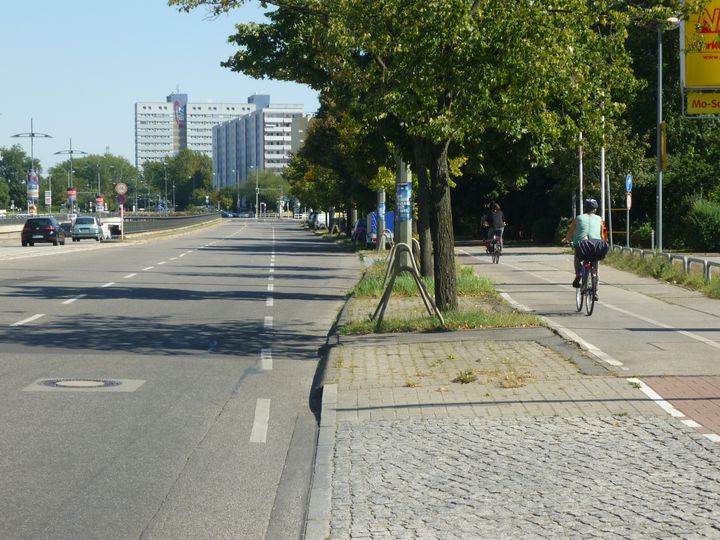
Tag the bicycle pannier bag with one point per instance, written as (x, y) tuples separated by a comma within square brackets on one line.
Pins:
[(592, 249)]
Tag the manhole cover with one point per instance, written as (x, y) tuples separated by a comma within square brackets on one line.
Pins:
[(80, 383)]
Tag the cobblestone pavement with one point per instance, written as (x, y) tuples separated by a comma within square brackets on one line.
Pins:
[(538, 441), (543, 477)]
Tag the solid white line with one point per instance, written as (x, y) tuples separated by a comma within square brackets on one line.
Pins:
[(691, 335), (268, 321), (266, 359), (130, 276), (657, 398), (271, 287), (260, 424), (713, 437), (269, 301), (29, 319), (71, 300), (648, 320), (109, 284), (691, 423), (148, 268)]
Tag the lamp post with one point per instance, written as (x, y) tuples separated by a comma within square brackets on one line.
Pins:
[(165, 169), (237, 185), (32, 134), (71, 153), (257, 190), (673, 22)]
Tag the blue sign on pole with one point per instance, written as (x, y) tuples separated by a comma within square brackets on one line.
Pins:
[(628, 183)]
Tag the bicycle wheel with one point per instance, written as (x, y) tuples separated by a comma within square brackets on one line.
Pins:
[(590, 295), (496, 255), (580, 291)]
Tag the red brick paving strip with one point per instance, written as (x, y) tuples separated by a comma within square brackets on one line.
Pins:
[(697, 398)]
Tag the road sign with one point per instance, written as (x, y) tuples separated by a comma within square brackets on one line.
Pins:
[(628, 201), (121, 188), (628, 183), (120, 199)]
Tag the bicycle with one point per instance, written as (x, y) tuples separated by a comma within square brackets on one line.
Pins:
[(496, 249), (587, 293)]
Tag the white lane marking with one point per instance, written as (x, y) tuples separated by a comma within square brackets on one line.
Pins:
[(657, 398), (162, 262), (148, 268), (130, 276), (691, 423), (648, 320), (29, 319), (272, 263), (272, 270), (182, 254), (268, 321), (269, 301), (108, 284), (567, 334), (271, 287), (271, 278), (71, 300), (261, 421), (713, 437), (266, 359), (173, 258)]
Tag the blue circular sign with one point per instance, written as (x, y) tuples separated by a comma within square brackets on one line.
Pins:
[(628, 183)]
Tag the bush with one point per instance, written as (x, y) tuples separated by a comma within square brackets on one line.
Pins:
[(703, 226), (641, 235)]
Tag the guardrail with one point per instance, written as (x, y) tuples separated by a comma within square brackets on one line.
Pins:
[(687, 262), (133, 224)]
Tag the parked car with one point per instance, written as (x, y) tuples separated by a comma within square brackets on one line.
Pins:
[(42, 229), (87, 227)]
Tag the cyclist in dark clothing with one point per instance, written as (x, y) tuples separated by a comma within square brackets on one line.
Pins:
[(496, 224)]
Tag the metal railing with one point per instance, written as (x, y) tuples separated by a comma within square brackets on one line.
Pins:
[(687, 261)]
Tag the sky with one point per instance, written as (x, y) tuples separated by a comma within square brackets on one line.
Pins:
[(77, 68)]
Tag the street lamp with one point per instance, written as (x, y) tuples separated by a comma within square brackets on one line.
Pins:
[(673, 23), (32, 136), (71, 153), (257, 190), (165, 169), (237, 184)]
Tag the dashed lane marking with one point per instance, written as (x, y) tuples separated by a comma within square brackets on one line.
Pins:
[(271, 287), (260, 423), (148, 268), (266, 361), (108, 284), (76, 298), (268, 321), (130, 276), (29, 319), (269, 301)]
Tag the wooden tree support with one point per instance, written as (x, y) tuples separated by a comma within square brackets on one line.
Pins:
[(393, 271)]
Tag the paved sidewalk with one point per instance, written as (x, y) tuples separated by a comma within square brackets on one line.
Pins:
[(538, 441)]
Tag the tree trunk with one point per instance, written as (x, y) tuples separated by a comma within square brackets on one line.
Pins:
[(442, 231), (424, 202)]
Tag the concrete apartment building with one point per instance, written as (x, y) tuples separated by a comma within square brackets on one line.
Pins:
[(240, 138), (164, 128), (260, 141)]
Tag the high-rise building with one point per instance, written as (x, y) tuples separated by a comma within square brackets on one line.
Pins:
[(259, 141), (162, 129)]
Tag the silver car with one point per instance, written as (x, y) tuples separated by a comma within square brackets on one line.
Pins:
[(87, 227)]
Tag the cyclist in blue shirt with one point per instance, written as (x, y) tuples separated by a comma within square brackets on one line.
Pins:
[(587, 225)]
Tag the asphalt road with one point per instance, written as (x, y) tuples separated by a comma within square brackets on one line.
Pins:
[(640, 327), (161, 389)]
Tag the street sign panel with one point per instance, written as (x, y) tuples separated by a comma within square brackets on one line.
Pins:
[(628, 201), (121, 188), (628, 183)]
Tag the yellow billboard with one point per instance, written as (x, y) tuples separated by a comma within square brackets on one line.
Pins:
[(701, 39), (704, 103)]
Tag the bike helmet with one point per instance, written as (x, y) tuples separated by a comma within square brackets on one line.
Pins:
[(592, 203)]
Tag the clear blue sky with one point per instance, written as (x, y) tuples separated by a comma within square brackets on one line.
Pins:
[(77, 68)]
